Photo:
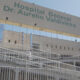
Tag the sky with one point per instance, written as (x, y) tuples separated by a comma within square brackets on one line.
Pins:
[(68, 6)]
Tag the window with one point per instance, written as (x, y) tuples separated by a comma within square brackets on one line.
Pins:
[(35, 24), (9, 41), (51, 46), (35, 46), (60, 47), (68, 48), (56, 46), (72, 49), (6, 18), (77, 63), (46, 45), (64, 47), (15, 42), (79, 49)]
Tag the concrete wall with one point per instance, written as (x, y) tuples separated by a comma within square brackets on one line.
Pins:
[(16, 40), (31, 14), (21, 41), (58, 46)]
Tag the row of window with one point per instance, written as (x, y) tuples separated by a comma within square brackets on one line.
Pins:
[(37, 46), (60, 47), (9, 41), (57, 47)]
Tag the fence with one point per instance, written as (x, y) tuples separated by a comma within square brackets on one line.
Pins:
[(15, 65)]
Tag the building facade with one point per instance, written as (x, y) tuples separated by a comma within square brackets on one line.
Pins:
[(29, 49)]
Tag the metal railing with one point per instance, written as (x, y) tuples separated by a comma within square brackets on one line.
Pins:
[(20, 58), (26, 66)]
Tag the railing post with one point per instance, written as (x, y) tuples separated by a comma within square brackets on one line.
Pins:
[(17, 73)]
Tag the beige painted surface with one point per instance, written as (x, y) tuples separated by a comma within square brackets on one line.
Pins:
[(42, 23), (57, 46), (45, 44), (18, 37)]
